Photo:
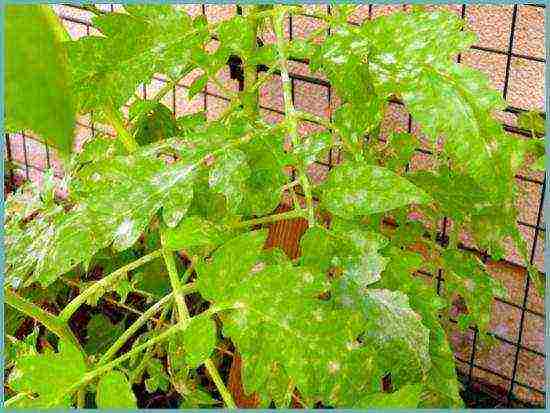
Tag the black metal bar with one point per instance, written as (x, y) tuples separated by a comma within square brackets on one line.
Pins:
[(526, 294), (509, 53)]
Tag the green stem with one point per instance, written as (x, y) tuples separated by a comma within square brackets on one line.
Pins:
[(183, 316), (290, 111), (70, 309), (115, 119), (137, 373), (175, 282), (216, 378), (181, 326), (109, 354), (297, 213), (250, 94), (51, 322)]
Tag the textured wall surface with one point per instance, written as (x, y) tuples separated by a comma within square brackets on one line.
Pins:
[(510, 50)]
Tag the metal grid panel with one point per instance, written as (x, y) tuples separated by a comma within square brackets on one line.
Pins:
[(510, 52)]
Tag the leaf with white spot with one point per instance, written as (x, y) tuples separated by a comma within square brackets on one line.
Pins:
[(355, 189), (113, 209), (136, 45), (347, 247), (229, 175), (319, 353)]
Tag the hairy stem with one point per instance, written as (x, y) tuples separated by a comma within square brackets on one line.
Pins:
[(290, 111), (70, 309), (51, 322), (183, 316)]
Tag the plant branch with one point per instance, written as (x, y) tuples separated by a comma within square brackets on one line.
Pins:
[(115, 119), (297, 213), (133, 328), (290, 112), (183, 316), (175, 282), (51, 322), (250, 94), (181, 326), (70, 309)]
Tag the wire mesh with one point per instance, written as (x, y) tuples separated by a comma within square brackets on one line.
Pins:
[(504, 387)]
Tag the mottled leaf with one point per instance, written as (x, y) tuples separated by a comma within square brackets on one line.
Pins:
[(228, 176), (356, 189), (148, 40), (320, 353), (109, 210)]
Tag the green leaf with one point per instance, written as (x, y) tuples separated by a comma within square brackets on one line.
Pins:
[(114, 392), (196, 233), (319, 353), (466, 276), (407, 397), (153, 278), (109, 210), (158, 379), (228, 176), (155, 123), (197, 86), (532, 121), (37, 83), (237, 36), (149, 40), (265, 158), (49, 375), (356, 189), (397, 333), (455, 194), (101, 333), (540, 163), (199, 340)]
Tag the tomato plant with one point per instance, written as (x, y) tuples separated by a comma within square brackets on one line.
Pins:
[(169, 219)]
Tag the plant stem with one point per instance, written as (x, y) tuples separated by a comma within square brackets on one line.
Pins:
[(297, 213), (115, 119), (181, 326), (51, 322), (250, 94), (70, 309), (290, 112), (137, 373), (175, 282), (133, 328), (183, 316)]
